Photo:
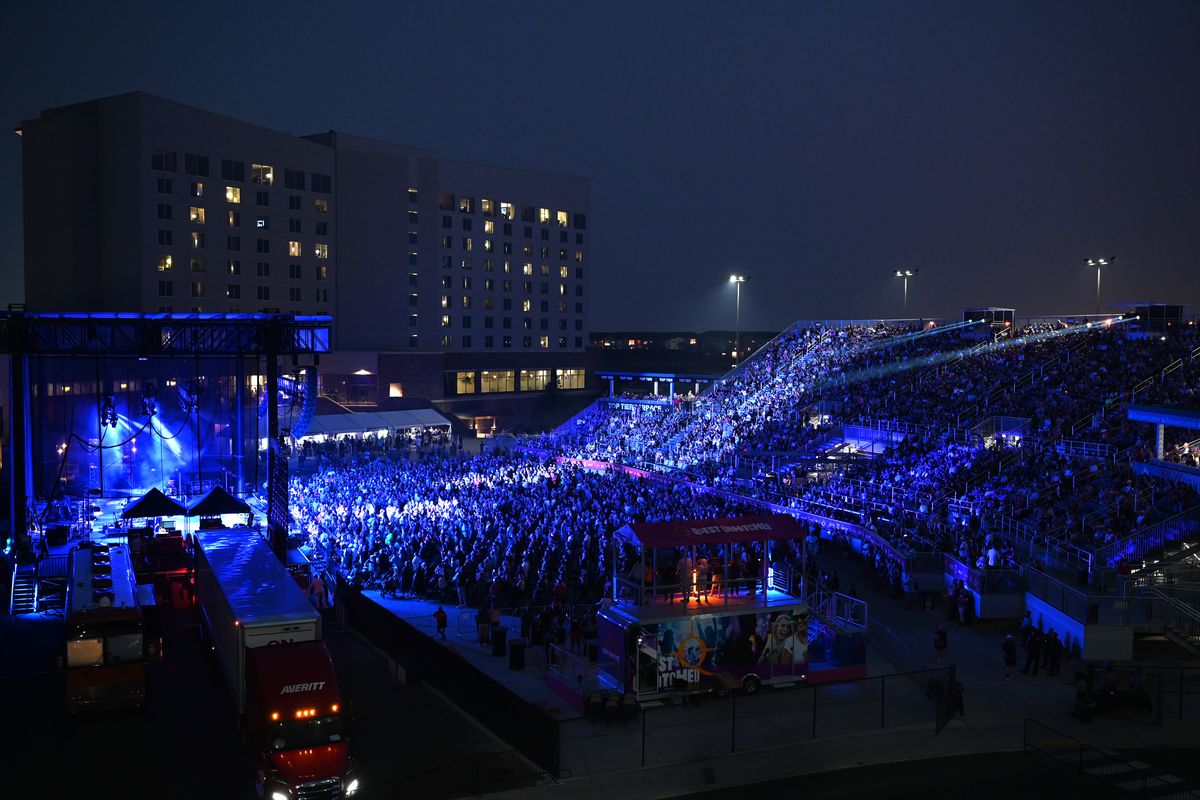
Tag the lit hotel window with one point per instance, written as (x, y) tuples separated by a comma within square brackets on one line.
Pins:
[(488, 207), (527, 269), (165, 263), (445, 320), (233, 194), (293, 248), (196, 215), (321, 205), (234, 219), (570, 379), (197, 189), (526, 305), (508, 211), (445, 301), (197, 265), (563, 219), (544, 341), (464, 382), (261, 173), (489, 226), (321, 251), (563, 272), (543, 215), (197, 240)]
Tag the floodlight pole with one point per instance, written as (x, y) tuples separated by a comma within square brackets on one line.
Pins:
[(737, 281)]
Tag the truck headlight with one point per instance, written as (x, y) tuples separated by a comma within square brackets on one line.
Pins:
[(351, 787), (278, 796)]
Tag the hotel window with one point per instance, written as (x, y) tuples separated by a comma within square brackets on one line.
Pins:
[(262, 223), (579, 291), (487, 245), (233, 243), (166, 289), (262, 198), (527, 324), (464, 382), (466, 283), (445, 201), (562, 290), (579, 238), (489, 341), (445, 320), (233, 291), (395, 390), (322, 183), (579, 308), (196, 215), (544, 253), (578, 342), (413, 340), (263, 269), (197, 289), (320, 205), (466, 205), (579, 273), (163, 160), (322, 295), (166, 238), (233, 170), (447, 242), (489, 284), (197, 264), (527, 269), (581, 222), (545, 235), (195, 165), (488, 207), (466, 322), (447, 222), (562, 218), (414, 258), (413, 279), (412, 299), (534, 380), (293, 226), (489, 226), (466, 301), (563, 272), (545, 269), (414, 237), (164, 185), (467, 224), (294, 202), (508, 211), (526, 305), (197, 189), (488, 303), (197, 240), (262, 173), (233, 267), (263, 245), (571, 379), (507, 341), (164, 211), (447, 262), (465, 263), (323, 273), (293, 179), (527, 251), (413, 217), (295, 271), (445, 301), (294, 249), (507, 285), (508, 229), (506, 248), (447, 282), (544, 342), (263, 292), (412, 195), (467, 244), (562, 341), (294, 294), (321, 250), (412, 320), (506, 322), (562, 306), (233, 218), (507, 267), (526, 341), (447, 341), (497, 381), (321, 228), (165, 263), (544, 307), (543, 215)]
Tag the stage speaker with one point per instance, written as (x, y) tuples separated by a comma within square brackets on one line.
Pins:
[(57, 535)]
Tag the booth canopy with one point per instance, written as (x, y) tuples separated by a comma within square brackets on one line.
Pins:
[(215, 502), (362, 422), (154, 504), (688, 532)]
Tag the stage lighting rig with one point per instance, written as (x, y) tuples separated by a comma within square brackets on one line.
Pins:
[(149, 397), (108, 413)]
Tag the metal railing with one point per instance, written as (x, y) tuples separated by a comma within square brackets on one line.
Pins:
[(1151, 538), (1072, 448)]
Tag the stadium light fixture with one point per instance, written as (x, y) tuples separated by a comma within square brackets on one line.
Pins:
[(737, 280), (906, 274), (1099, 264)]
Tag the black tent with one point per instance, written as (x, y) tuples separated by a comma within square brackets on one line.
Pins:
[(154, 504), (215, 502)]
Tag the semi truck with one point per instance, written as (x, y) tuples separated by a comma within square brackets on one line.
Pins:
[(267, 639), (107, 643)]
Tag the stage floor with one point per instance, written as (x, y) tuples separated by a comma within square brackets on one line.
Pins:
[(461, 637)]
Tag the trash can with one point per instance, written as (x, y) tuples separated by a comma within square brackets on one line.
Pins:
[(499, 637), (516, 654)]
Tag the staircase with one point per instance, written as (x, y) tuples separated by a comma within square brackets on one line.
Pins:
[(23, 598)]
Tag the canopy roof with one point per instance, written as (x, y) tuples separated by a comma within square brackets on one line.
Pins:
[(215, 502), (688, 532), (154, 504), (362, 422)]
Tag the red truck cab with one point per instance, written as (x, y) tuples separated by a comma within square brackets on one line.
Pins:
[(296, 720)]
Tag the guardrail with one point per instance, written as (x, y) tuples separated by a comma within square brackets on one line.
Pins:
[(985, 581), (1150, 538)]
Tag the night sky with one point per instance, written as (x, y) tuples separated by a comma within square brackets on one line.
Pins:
[(814, 147)]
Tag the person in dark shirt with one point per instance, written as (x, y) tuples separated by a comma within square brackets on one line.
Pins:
[(1009, 648)]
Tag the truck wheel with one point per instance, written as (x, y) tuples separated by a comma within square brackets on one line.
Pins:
[(751, 684)]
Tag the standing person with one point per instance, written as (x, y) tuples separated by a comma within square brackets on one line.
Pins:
[(683, 571), (1026, 628), (941, 642), (702, 579), (439, 617), (1009, 648), (1054, 648), (316, 590), (1033, 651)]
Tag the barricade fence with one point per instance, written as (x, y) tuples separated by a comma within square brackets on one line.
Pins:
[(697, 727)]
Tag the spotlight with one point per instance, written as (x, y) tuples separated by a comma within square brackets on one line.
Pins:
[(149, 406), (108, 413)]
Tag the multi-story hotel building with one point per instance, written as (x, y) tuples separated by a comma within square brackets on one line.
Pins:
[(458, 282)]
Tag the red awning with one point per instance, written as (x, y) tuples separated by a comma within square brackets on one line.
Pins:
[(684, 533)]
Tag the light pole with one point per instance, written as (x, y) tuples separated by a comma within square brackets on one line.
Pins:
[(1099, 264), (737, 280), (906, 274)]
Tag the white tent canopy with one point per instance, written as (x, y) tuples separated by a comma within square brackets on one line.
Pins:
[(375, 421)]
